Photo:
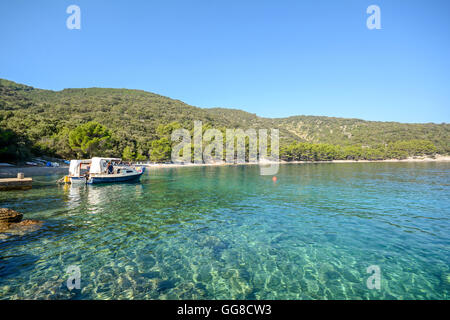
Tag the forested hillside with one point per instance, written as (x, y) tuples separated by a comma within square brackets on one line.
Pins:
[(136, 124)]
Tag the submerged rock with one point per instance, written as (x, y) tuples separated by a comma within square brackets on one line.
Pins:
[(9, 216), (166, 285), (11, 222), (24, 227)]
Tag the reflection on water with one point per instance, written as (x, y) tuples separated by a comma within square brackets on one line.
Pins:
[(229, 233)]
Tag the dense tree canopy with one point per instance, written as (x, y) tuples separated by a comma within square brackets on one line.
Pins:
[(128, 154), (137, 125), (12, 146), (323, 152), (89, 139)]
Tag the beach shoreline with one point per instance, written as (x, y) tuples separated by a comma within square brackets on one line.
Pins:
[(29, 171), (438, 158)]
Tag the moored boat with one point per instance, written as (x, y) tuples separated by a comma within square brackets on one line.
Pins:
[(107, 170), (102, 170)]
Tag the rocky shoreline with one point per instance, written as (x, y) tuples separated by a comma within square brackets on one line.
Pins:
[(11, 222)]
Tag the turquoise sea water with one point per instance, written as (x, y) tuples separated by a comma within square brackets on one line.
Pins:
[(229, 233)]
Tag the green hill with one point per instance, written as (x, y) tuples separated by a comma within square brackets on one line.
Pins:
[(36, 121)]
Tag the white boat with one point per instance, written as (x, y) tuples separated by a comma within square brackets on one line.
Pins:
[(102, 170), (78, 171)]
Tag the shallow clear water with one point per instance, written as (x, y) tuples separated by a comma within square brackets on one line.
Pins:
[(229, 233)]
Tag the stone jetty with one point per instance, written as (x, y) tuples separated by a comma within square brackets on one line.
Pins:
[(19, 183)]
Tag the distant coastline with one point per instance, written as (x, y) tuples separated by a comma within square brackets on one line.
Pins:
[(7, 172), (137, 126), (437, 158)]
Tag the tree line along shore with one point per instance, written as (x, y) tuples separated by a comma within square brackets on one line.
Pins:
[(94, 139), (136, 125)]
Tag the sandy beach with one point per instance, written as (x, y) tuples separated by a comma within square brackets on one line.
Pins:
[(437, 158), (29, 171)]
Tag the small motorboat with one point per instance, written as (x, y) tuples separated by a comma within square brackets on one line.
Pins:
[(106, 170), (102, 170)]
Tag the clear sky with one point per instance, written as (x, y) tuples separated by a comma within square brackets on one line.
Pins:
[(273, 58)]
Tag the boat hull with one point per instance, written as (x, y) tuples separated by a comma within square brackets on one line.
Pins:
[(115, 178), (76, 180)]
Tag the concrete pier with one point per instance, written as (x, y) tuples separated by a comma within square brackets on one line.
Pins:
[(20, 183)]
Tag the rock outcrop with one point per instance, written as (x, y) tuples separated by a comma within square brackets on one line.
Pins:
[(11, 222), (9, 216)]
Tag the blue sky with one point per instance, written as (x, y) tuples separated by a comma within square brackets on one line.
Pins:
[(272, 58)]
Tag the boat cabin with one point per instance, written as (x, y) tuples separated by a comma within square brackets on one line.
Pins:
[(100, 165), (79, 168)]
